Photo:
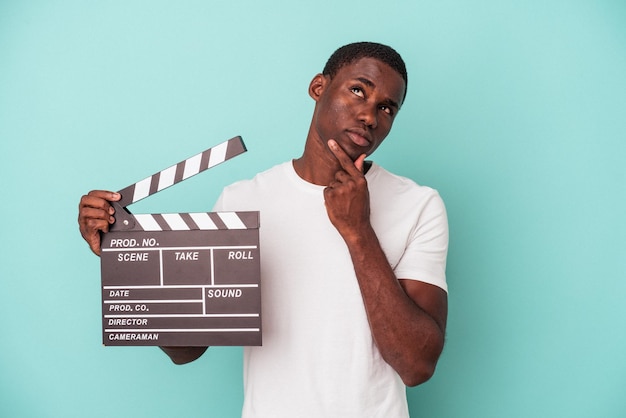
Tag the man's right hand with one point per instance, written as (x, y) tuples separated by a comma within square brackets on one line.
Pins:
[(95, 214)]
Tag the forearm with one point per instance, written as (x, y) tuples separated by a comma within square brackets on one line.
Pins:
[(407, 320), (183, 355), (409, 339)]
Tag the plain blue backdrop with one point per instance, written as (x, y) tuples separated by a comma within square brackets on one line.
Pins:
[(515, 113)]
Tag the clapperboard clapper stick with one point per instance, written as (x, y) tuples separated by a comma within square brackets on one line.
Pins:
[(181, 279)]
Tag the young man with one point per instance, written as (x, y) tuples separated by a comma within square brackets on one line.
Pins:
[(353, 267)]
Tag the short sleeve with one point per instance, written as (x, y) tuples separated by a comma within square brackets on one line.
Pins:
[(424, 258)]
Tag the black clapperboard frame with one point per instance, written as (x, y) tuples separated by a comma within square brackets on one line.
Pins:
[(181, 279)]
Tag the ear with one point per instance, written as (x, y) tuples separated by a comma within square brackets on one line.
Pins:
[(317, 85)]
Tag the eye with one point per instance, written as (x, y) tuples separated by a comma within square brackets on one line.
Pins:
[(388, 110), (358, 91)]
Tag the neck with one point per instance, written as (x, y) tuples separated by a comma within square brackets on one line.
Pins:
[(320, 171), (315, 171), (317, 165)]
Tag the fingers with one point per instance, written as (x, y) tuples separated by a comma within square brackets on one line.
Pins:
[(359, 162), (351, 167), (99, 199), (95, 214), (95, 208), (105, 194)]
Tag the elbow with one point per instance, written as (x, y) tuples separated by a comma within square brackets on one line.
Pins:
[(182, 361), (418, 375), (183, 355), (423, 367)]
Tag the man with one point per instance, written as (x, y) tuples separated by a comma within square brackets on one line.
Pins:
[(353, 257)]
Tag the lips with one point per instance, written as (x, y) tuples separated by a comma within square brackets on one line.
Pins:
[(359, 137)]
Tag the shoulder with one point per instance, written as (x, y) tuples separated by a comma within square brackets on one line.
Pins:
[(388, 186), (247, 194), (263, 179)]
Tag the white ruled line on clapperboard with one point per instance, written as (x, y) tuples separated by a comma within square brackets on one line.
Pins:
[(181, 279)]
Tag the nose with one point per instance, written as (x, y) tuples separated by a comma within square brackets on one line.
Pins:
[(368, 115)]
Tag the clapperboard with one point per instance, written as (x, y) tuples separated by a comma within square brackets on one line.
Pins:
[(181, 279)]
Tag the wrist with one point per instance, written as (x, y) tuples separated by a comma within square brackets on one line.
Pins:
[(360, 237)]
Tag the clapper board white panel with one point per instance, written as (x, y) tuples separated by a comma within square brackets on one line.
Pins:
[(181, 279)]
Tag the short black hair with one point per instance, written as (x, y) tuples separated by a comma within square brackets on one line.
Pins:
[(347, 54)]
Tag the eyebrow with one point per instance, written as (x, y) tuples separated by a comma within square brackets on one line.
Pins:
[(370, 83)]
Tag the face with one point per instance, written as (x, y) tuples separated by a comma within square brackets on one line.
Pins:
[(357, 106)]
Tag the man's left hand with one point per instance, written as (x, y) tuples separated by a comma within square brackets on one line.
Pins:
[(347, 196)]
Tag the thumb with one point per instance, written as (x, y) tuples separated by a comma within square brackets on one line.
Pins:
[(94, 243), (358, 163)]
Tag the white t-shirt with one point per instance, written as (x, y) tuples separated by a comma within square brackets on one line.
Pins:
[(318, 357)]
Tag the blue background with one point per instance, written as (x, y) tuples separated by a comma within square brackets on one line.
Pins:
[(515, 113)]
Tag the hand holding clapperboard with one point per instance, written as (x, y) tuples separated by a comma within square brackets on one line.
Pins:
[(181, 279)]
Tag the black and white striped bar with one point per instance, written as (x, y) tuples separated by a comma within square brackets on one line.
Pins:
[(182, 171), (204, 221)]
